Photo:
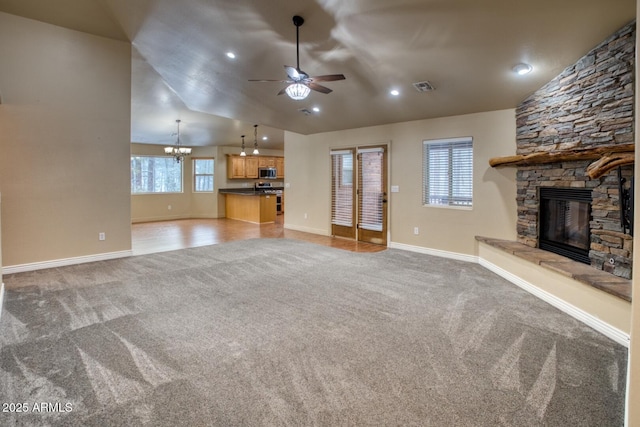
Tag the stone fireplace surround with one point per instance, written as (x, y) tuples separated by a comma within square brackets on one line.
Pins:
[(590, 104)]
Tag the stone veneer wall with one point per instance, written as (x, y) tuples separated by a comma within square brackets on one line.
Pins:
[(590, 103)]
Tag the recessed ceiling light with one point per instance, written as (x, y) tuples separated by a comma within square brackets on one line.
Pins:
[(522, 69), (316, 109), (264, 138), (394, 92), (231, 55)]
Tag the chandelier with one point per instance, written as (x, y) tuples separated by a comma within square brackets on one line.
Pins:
[(177, 151)]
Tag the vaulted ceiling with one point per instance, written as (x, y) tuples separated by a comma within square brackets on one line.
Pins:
[(465, 48)]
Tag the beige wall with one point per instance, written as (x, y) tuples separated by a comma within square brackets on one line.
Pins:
[(65, 118), (452, 230), (634, 349)]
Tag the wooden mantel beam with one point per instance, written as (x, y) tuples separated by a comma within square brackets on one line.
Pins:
[(608, 157)]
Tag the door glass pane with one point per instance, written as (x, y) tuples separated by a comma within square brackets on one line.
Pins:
[(342, 189), (371, 190)]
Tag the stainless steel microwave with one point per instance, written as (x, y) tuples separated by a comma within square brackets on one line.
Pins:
[(267, 173)]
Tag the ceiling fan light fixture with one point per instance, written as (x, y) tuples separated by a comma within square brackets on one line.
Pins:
[(297, 91)]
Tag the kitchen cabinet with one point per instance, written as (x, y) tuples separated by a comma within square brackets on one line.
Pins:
[(251, 167), (266, 162), (235, 167), (279, 167), (251, 207), (239, 167)]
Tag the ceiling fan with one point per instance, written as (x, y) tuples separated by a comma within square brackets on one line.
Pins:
[(300, 83)]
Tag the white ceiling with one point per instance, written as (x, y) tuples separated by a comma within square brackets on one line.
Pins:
[(465, 48)]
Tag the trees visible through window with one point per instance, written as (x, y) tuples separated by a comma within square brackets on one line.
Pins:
[(203, 175), (155, 174), (448, 172)]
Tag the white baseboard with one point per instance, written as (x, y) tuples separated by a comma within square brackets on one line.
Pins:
[(604, 328), (434, 252), (20, 268), (307, 229), (159, 218)]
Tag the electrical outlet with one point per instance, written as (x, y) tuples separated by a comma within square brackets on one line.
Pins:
[(169, 207), (305, 216), (102, 236), (416, 231)]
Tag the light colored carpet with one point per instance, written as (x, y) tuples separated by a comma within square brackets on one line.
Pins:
[(283, 332)]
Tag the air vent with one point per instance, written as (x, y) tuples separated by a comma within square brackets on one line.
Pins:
[(424, 86)]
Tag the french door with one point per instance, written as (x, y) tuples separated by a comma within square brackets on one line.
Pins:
[(359, 194)]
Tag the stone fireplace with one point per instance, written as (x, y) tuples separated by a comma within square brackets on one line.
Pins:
[(590, 104)]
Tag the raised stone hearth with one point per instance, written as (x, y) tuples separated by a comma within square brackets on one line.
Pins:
[(577, 271)]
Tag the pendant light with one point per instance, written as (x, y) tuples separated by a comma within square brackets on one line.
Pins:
[(255, 139), (243, 153)]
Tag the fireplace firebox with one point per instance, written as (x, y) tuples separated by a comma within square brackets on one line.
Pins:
[(563, 222)]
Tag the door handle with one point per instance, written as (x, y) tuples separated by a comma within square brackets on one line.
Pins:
[(384, 200)]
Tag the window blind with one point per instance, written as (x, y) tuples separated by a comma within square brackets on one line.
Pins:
[(342, 188), (448, 172), (371, 193)]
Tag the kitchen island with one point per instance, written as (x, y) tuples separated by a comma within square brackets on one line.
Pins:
[(250, 205)]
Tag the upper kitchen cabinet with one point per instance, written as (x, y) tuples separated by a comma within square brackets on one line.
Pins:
[(279, 167), (246, 167), (266, 162), (251, 167), (235, 167)]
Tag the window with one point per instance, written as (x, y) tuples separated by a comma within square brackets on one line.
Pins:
[(203, 175), (347, 171), (155, 174), (448, 172)]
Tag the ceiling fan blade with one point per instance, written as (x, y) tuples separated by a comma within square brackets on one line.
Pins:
[(327, 78), (319, 88), (292, 72), (262, 80)]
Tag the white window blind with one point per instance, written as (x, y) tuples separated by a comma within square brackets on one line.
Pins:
[(371, 192), (342, 188), (448, 172)]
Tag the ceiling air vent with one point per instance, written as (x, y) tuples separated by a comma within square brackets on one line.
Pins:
[(424, 86)]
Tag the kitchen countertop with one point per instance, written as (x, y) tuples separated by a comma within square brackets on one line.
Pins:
[(248, 191)]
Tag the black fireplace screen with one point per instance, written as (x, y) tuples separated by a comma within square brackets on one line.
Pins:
[(564, 222)]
